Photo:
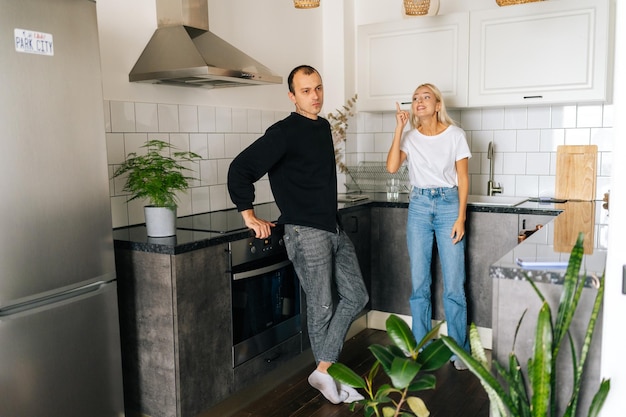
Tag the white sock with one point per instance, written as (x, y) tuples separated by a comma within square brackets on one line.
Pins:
[(325, 384), (353, 395)]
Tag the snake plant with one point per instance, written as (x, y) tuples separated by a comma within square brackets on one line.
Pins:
[(404, 362), (507, 389)]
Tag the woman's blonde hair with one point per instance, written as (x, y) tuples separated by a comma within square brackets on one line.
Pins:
[(442, 114)]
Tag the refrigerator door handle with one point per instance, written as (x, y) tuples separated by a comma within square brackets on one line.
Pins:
[(50, 299)]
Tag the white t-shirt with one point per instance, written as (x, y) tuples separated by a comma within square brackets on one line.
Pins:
[(432, 159)]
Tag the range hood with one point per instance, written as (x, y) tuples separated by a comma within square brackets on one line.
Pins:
[(182, 51)]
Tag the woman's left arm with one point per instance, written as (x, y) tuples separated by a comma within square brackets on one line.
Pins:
[(462, 172)]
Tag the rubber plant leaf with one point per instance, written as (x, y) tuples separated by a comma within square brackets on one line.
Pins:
[(403, 370), (423, 382), (432, 334), (417, 406), (434, 356), (343, 374), (383, 355), (401, 334)]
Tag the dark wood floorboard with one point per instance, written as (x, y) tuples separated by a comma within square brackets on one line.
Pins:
[(458, 393)]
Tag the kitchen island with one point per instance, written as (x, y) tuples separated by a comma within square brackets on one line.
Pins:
[(174, 292), (537, 259)]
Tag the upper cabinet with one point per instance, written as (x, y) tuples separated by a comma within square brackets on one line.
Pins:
[(535, 53), (539, 53), (395, 57)]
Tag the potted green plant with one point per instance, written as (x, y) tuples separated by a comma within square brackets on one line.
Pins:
[(508, 391), (406, 363), (156, 176)]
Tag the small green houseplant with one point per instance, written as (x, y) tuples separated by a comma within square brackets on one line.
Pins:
[(508, 391), (156, 176), (405, 363)]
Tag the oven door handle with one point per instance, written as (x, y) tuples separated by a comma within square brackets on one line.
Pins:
[(260, 271)]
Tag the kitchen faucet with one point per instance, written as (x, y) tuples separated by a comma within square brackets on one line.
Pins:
[(491, 187)]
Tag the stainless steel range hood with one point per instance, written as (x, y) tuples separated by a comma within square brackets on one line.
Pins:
[(183, 52)]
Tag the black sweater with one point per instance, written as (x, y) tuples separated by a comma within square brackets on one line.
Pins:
[(299, 157)]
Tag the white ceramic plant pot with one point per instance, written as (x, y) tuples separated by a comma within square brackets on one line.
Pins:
[(160, 221)]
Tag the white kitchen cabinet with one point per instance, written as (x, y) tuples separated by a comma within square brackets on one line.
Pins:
[(395, 57), (539, 53)]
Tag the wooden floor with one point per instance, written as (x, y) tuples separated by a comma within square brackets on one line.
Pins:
[(458, 393)]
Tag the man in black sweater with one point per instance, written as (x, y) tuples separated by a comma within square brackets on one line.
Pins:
[(298, 155)]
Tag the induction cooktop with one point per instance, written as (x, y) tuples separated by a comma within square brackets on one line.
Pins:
[(225, 221)]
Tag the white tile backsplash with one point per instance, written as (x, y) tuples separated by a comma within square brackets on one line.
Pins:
[(493, 119), (240, 120), (537, 163), (232, 146), (200, 201), (505, 140), (516, 118), (198, 143), (217, 147), (525, 139), (471, 119), (528, 140), (589, 116), (180, 141), (115, 148), (514, 163), (577, 136), (539, 117), (146, 117), (551, 139), (223, 120), (206, 119), (188, 118), (563, 116), (122, 116), (168, 118)]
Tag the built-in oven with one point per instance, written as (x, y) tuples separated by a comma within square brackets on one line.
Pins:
[(266, 304)]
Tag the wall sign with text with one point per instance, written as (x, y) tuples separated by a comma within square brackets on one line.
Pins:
[(31, 42)]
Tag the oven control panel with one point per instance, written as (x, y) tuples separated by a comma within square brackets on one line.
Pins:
[(252, 249)]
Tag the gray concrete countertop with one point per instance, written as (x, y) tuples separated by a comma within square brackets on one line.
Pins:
[(186, 239)]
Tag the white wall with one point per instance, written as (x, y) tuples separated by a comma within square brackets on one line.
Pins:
[(614, 336)]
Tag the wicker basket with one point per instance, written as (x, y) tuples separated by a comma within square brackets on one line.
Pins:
[(306, 4), (416, 7), (511, 2)]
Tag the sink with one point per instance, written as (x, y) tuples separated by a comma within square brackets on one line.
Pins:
[(495, 200)]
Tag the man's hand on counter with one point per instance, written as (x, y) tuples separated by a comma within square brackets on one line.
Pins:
[(262, 228)]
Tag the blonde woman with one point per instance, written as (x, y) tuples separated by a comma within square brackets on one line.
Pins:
[(437, 154)]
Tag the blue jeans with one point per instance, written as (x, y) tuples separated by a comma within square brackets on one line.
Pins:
[(432, 213), (324, 260)]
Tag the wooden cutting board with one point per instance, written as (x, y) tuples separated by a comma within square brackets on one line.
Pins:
[(577, 217), (576, 172)]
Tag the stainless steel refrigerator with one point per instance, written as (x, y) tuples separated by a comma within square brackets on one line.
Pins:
[(59, 331)]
